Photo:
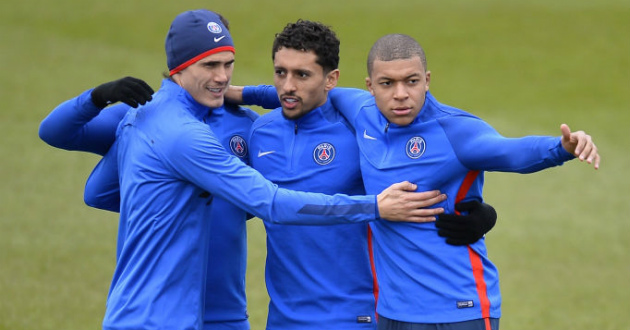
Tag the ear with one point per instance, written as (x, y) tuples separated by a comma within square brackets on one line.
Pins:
[(428, 77), (177, 78), (332, 78), (368, 84)]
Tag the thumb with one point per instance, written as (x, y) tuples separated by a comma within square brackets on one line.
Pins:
[(566, 132)]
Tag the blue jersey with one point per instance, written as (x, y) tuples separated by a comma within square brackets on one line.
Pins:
[(318, 277), (170, 165), (421, 278), (78, 124)]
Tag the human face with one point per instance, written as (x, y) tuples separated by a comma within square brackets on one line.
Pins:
[(399, 88), (207, 80), (301, 83)]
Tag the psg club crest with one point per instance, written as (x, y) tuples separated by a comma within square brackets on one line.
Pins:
[(214, 27), (415, 147), (238, 146), (324, 153)]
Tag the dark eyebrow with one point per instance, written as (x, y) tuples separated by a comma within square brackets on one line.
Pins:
[(413, 75)]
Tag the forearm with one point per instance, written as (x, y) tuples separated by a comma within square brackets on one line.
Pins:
[(77, 124), (264, 96), (102, 189)]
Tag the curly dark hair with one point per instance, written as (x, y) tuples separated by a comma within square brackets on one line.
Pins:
[(310, 36)]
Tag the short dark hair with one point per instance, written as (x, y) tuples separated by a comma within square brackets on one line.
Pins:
[(307, 35), (395, 47)]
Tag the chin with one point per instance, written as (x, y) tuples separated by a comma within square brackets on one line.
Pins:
[(213, 103), (292, 115), (401, 121)]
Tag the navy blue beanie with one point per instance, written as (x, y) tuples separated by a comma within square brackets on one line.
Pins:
[(194, 35)]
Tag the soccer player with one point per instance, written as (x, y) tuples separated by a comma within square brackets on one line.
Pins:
[(83, 124), (171, 165), (318, 277), (404, 132)]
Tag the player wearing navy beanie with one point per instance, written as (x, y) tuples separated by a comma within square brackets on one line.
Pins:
[(194, 35)]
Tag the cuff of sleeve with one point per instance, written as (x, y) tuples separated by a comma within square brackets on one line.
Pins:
[(249, 95), (86, 105), (377, 214), (562, 154)]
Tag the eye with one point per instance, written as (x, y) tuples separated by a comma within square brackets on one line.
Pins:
[(280, 72), (385, 83), (413, 81), (303, 74)]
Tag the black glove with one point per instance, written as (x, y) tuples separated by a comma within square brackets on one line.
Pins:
[(466, 229), (129, 90)]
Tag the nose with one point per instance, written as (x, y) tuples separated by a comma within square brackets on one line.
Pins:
[(221, 75), (400, 92), (288, 84)]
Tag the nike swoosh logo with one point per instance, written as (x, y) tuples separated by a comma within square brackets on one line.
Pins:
[(260, 153), (218, 39), (367, 136)]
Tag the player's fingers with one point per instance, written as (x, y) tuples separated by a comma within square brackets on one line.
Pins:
[(583, 144), (452, 234), (425, 199), (593, 156), (596, 161), (129, 101), (448, 225), (145, 87), (419, 219), (420, 212), (402, 186)]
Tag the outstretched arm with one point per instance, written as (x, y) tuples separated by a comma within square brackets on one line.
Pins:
[(480, 147)]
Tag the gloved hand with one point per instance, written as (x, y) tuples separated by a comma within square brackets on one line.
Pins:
[(129, 90), (466, 229)]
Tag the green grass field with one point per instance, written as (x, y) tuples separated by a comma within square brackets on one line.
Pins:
[(562, 242)]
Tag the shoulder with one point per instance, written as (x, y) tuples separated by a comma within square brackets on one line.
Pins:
[(273, 117), (243, 112), (446, 112)]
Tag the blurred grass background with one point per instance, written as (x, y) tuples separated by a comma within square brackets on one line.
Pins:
[(562, 242)]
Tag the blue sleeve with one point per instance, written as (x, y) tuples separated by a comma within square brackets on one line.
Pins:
[(197, 156), (480, 147), (102, 190), (77, 124), (349, 101), (262, 95)]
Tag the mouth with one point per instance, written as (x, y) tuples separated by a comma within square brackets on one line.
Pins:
[(216, 91), (289, 102), (401, 111)]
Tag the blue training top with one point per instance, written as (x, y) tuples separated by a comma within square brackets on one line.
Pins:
[(318, 277), (78, 124), (421, 278), (170, 165)]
